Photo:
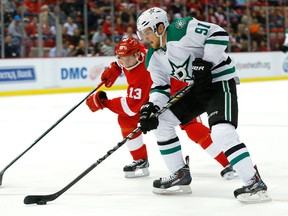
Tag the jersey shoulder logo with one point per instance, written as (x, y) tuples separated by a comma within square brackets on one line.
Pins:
[(181, 23)]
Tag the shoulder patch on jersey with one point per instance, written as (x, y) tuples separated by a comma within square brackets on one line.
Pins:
[(177, 29), (181, 23)]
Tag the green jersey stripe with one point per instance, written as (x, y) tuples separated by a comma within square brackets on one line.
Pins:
[(170, 151), (217, 42), (239, 158), (223, 73)]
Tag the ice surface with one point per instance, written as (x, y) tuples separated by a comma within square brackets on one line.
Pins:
[(83, 137)]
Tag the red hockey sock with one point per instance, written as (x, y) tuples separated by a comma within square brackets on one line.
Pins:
[(200, 134), (140, 153), (222, 159)]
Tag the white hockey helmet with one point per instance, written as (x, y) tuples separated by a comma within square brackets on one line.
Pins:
[(150, 18)]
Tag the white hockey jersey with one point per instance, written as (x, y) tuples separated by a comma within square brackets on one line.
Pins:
[(187, 39)]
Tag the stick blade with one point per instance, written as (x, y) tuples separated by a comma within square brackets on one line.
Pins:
[(38, 199)]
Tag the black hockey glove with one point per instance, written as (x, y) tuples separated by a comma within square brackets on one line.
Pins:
[(201, 71), (148, 122)]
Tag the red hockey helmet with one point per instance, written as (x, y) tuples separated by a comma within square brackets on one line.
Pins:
[(127, 47)]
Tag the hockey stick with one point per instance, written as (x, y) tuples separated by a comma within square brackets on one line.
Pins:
[(43, 199), (47, 131)]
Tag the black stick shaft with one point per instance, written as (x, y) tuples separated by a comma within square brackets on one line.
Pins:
[(32, 199), (46, 132)]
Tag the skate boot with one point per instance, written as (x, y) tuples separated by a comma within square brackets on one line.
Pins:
[(138, 168), (254, 192), (228, 172), (176, 183)]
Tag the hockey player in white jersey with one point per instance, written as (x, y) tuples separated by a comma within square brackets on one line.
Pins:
[(194, 51)]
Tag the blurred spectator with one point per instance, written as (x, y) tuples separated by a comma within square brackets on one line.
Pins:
[(104, 6), (28, 41), (193, 6), (107, 28), (107, 47), (79, 49), (263, 46), (220, 16), (211, 15), (9, 7), (99, 36), (178, 9), (124, 14), (17, 31), (46, 30), (276, 18), (76, 37), (119, 27), (94, 18), (31, 7), (259, 35), (57, 12), (46, 16), (96, 51), (32, 28), (254, 47), (69, 26), (254, 26), (64, 52), (276, 46), (129, 33), (10, 51)]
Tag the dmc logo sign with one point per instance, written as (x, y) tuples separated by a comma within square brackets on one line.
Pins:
[(73, 73)]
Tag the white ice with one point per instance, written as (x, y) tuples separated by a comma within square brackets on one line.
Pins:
[(83, 137)]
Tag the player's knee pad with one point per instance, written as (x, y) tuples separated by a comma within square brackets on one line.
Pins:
[(225, 135)]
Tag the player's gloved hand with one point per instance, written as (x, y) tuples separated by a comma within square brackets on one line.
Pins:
[(148, 122), (284, 48), (202, 70), (96, 101), (110, 75)]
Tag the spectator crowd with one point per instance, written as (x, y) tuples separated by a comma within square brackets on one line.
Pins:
[(254, 26)]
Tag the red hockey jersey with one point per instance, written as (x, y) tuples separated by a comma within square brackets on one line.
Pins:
[(139, 85)]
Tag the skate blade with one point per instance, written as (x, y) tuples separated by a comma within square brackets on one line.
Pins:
[(230, 175), (137, 174), (259, 197), (183, 189)]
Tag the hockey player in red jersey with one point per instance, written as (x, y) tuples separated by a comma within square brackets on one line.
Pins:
[(131, 56), (131, 61)]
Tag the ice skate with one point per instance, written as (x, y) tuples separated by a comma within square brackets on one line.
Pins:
[(176, 183), (228, 172), (138, 168), (255, 192)]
